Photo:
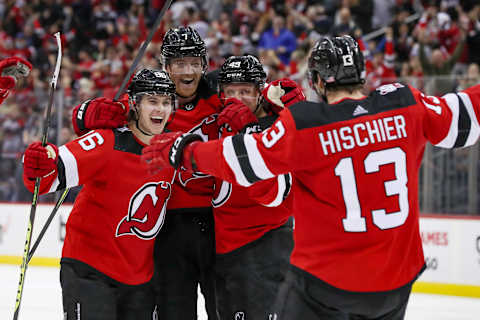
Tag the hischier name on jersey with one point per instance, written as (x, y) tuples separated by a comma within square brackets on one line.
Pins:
[(118, 243), (348, 147)]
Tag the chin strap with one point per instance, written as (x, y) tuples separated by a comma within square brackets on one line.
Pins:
[(259, 103), (138, 127)]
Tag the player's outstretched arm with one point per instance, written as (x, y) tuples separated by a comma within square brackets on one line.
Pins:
[(99, 113), (451, 121), (242, 159)]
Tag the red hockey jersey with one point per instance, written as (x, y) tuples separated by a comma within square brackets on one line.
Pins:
[(120, 209), (244, 214), (355, 165), (195, 190)]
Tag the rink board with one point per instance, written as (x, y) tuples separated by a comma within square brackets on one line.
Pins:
[(451, 245)]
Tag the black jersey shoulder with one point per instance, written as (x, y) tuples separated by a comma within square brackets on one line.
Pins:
[(266, 122), (206, 88), (212, 80), (125, 142), (313, 114)]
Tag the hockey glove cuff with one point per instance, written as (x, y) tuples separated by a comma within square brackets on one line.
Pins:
[(171, 149), (99, 113)]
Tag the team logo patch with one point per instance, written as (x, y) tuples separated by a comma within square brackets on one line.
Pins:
[(146, 211), (239, 316), (189, 106)]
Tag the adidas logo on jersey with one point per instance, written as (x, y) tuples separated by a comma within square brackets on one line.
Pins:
[(359, 110)]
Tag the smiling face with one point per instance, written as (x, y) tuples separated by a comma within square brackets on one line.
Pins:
[(153, 112), (245, 92), (186, 73)]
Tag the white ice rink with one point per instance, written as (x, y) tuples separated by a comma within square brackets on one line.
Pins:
[(42, 299)]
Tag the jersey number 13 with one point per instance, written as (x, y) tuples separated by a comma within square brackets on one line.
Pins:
[(354, 222)]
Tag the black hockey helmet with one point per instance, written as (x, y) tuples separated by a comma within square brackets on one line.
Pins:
[(242, 69), (151, 81), (183, 42), (337, 61)]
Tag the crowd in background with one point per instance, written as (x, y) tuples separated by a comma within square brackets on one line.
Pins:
[(432, 45)]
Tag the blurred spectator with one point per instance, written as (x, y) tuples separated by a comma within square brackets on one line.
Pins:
[(473, 39), (439, 64), (278, 39), (362, 12), (344, 23), (382, 12), (470, 78), (179, 7)]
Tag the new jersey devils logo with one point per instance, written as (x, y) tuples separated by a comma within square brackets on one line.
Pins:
[(221, 194), (208, 130), (146, 211), (184, 176)]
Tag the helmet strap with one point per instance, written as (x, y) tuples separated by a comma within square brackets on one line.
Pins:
[(138, 127), (259, 100)]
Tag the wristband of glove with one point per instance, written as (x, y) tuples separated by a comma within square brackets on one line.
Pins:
[(176, 154), (79, 118)]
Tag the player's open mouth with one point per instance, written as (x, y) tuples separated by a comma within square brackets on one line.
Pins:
[(184, 81), (157, 120)]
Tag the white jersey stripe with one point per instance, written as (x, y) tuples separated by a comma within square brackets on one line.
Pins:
[(233, 163), (281, 187), (449, 140), (54, 185), (71, 168), (475, 127), (255, 158)]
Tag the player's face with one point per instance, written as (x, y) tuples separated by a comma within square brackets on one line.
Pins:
[(245, 92), (154, 111), (186, 73)]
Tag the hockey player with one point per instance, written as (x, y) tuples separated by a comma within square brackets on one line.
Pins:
[(185, 250), (107, 258), (355, 162), (11, 69), (252, 233)]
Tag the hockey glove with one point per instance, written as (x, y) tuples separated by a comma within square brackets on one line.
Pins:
[(99, 113), (237, 115), (281, 94), (10, 70), (170, 149), (39, 161)]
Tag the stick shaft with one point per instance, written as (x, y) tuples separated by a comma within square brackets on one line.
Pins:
[(33, 208), (137, 59), (141, 51), (47, 224)]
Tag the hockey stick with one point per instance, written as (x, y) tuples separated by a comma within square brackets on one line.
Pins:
[(141, 51), (47, 224), (33, 209), (135, 62)]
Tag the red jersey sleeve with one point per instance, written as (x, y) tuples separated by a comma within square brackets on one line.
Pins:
[(80, 160), (271, 192), (451, 121), (243, 159)]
